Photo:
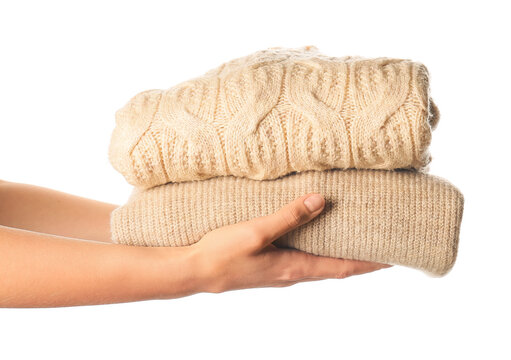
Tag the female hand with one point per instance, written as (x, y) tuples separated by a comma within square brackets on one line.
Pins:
[(59, 269), (242, 255)]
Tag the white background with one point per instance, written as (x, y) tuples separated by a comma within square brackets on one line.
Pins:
[(66, 67)]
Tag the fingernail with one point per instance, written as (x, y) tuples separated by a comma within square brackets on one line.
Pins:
[(314, 202)]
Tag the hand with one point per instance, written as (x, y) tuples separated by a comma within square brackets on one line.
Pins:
[(242, 255)]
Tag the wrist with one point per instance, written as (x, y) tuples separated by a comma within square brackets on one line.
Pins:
[(178, 271), (210, 277), (149, 273)]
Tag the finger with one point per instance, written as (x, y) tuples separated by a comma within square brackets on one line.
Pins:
[(289, 217), (331, 268)]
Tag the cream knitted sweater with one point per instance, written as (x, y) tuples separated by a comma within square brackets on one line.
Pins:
[(395, 217), (274, 112)]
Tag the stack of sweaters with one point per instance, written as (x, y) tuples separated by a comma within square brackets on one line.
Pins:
[(253, 134)]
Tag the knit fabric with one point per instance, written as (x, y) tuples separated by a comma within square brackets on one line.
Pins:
[(274, 112), (396, 217)]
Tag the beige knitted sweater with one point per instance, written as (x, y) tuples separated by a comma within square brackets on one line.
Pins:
[(397, 217), (274, 112)]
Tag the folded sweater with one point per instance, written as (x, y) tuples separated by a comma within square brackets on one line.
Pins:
[(396, 217), (274, 112)]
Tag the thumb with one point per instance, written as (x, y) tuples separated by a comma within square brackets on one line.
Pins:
[(289, 217)]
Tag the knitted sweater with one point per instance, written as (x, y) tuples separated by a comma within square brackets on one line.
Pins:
[(396, 217), (274, 112)]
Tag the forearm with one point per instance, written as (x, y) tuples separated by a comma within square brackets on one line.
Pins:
[(41, 270), (49, 211)]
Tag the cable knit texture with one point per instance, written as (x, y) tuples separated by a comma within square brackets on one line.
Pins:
[(278, 111), (396, 217)]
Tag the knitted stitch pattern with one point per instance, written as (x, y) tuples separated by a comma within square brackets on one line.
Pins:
[(274, 112), (395, 217)]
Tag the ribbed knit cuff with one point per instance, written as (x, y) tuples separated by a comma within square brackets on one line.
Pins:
[(395, 217)]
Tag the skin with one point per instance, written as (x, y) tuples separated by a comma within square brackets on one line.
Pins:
[(56, 251)]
